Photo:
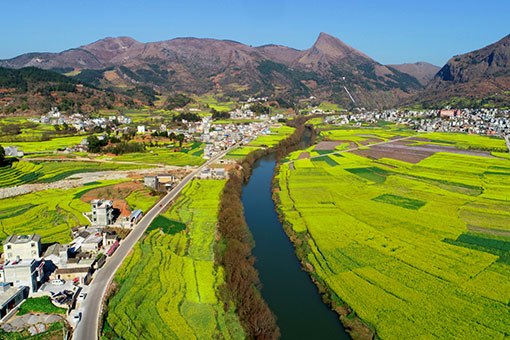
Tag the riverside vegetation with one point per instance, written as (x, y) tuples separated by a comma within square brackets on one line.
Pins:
[(414, 250)]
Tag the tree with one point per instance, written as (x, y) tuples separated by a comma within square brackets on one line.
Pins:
[(172, 136), (2, 154), (95, 144), (180, 138)]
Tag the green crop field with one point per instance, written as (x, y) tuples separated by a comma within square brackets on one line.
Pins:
[(50, 213), (273, 138), (418, 251), (175, 266), (47, 172)]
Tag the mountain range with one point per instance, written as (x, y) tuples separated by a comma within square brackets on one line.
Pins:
[(476, 78), (327, 70)]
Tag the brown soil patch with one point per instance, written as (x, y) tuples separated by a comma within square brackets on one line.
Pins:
[(371, 141), (327, 145), (304, 155), (352, 144), (117, 193), (412, 154), (488, 231)]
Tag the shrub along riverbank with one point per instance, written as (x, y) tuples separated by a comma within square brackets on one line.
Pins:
[(233, 251)]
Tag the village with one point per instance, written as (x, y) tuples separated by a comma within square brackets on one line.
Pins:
[(31, 267), (473, 121)]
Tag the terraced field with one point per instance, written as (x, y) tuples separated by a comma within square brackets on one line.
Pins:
[(23, 172), (50, 213), (418, 251), (273, 138), (175, 265)]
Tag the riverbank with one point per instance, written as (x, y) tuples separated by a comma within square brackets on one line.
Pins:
[(286, 288), (234, 247), (357, 328)]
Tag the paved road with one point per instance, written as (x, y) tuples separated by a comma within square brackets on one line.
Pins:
[(359, 147), (87, 329)]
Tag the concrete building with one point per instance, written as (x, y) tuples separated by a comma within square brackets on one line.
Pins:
[(109, 239), (151, 181), (102, 212), (77, 273), (13, 151), (92, 243), (22, 247), (23, 273), (10, 298), (135, 216), (57, 254)]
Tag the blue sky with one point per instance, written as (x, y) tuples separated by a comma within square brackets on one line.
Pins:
[(389, 31)]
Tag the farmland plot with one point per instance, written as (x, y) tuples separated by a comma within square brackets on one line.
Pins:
[(175, 265), (416, 250)]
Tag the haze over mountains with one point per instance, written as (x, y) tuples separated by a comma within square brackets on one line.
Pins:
[(237, 70)]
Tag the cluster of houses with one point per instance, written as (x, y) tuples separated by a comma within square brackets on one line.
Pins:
[(474, 121), (25, 266), (79, 121)]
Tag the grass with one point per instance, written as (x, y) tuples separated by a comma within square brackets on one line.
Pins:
[(175, 266), (391, 239), (39, 305)]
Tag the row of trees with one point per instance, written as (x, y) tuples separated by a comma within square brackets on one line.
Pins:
[(234, 249)]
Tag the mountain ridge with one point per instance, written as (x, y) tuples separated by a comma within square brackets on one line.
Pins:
[(202, 65)]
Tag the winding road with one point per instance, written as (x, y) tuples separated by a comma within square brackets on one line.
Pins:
[(88, 327)]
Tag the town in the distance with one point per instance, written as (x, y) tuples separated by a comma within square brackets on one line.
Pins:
[(207, 189)]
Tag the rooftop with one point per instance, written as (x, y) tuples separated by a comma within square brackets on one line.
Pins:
[(19, 239), (6, 295)]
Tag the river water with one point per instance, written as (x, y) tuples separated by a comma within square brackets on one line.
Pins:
[(289, 291)]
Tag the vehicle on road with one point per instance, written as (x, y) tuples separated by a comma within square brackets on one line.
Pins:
[(82, 296), (76, 317), (57, 282)]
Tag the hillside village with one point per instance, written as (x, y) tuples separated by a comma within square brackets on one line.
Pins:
[(473, 121)]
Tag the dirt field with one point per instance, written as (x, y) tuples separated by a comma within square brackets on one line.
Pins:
[(371, 141), (413, 154), (327, 145), (117, 193), (304, 155)]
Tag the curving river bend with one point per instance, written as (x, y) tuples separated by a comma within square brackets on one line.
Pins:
[(288, 290)]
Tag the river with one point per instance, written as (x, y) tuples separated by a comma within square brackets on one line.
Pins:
[(288, 290)]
